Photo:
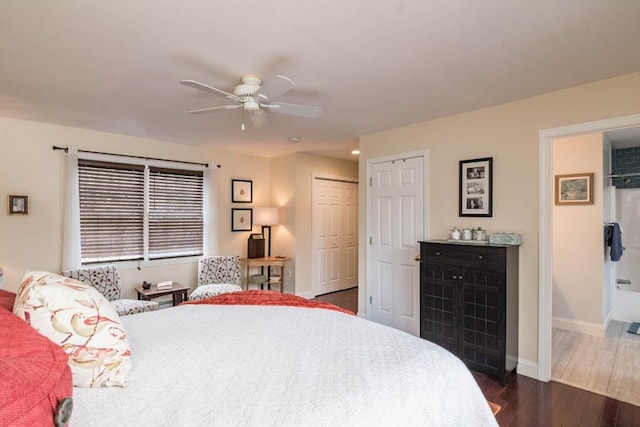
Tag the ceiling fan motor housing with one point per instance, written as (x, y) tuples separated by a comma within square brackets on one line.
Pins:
[(250, 84)]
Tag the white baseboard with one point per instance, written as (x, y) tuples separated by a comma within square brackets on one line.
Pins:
[(528, 368), (307, 295), (578, 326)]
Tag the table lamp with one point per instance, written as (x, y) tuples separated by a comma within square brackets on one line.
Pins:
[(266, 217)]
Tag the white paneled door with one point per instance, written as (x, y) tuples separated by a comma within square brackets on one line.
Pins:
[(335, 235), (397, 205)]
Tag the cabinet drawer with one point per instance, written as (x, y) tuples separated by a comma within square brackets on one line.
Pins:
[(491, 257)]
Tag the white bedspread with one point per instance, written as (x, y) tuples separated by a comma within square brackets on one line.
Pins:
[(211, 365)]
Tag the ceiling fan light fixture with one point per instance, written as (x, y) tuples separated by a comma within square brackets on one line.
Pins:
[(251, 105), (294, 139)]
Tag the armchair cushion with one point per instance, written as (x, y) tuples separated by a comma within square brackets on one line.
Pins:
[(219, 269), (212, 290), (107, 281), (125, 307)]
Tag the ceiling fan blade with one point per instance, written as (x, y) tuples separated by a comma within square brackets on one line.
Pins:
[(274, 88), (295, 109), (201, 86), (258, 118), (222, 107)]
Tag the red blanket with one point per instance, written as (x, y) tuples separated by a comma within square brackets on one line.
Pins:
[(34, 374), (267, 298)]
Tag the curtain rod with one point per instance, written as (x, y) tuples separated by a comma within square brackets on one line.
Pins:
[(66, 150)]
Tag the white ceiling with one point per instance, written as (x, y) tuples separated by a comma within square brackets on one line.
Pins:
[(114, 65)]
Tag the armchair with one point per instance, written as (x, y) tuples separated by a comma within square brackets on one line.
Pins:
[(107, 281), (217, 275)]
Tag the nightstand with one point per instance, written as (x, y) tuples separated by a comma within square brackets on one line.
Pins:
[(263, 279), (178, 292)]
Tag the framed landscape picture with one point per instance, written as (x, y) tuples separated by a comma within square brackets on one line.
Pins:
[(476, 187), (574, 189)]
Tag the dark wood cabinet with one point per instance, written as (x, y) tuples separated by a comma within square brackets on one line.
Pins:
[(469, 303)]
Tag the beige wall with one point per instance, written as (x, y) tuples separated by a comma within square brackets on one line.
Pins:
[(283, 182), (29, 166), (292, 186), (510, 134), (578, 259)]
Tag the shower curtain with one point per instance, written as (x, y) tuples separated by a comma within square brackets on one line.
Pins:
[(628, 215)]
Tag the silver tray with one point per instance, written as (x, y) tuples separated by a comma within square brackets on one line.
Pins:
[(468, 242)]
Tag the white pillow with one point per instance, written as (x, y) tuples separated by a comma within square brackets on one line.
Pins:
[(81, 320), (212, 290)]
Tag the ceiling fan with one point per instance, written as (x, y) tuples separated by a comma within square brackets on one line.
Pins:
[(256, 98)]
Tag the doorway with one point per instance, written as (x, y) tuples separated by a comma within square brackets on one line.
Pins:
[(545, 270), (396, 221), (335, 234)]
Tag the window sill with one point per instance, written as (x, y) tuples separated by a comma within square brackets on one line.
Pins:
[(149, 263)]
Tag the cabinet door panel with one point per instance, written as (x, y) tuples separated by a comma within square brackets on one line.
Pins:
[(482, 310), (482, 360), (439, 307)]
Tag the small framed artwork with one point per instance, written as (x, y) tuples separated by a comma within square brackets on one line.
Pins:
[(241, 191), (241, 219), (18, 205), (476, 187), (574, 189)]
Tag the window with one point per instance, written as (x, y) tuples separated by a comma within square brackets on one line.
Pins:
[(137, 212)]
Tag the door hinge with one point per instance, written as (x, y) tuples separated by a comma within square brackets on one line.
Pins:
[(370, 300), (370, 240), (370, 182)]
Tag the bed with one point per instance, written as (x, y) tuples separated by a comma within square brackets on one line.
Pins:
[(278, 365), (224, 361)]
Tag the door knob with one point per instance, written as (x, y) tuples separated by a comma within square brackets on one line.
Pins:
[(417, 257)]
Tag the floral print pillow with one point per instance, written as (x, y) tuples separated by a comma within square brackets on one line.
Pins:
[(80, 320)]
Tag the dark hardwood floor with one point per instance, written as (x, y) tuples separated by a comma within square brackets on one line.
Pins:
[(528, 402), (347, 299)]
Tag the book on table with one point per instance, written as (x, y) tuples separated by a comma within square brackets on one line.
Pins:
[(162, 286)]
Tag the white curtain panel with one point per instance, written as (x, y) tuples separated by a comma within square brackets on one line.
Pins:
[(211, 209), (71, 212)]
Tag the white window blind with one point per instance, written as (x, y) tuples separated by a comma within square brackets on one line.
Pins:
[(113, 226)]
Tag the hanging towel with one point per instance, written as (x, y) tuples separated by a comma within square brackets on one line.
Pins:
[(616, 242), (608, 232)]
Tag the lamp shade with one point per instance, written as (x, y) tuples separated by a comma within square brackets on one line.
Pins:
[(266, 216)]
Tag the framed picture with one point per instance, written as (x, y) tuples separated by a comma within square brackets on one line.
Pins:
[(574, 189), (241, 191), (18, 205), (241, 219), (476, 187)]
